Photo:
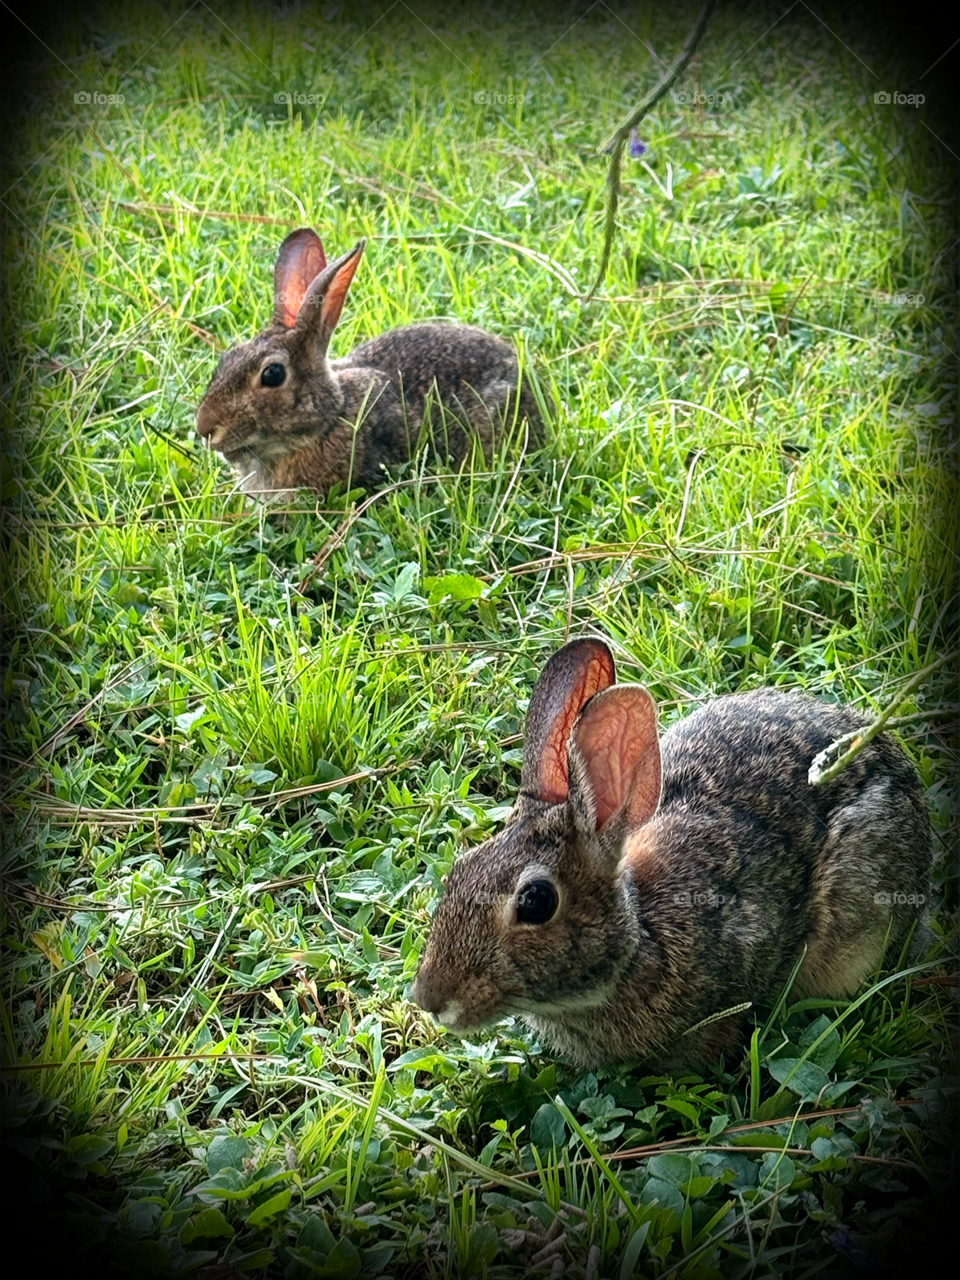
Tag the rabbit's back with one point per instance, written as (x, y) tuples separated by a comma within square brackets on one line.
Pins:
[(753, 751), (473, 374), (448, 353), (746, 863)]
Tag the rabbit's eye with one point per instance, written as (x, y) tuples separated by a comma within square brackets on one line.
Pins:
[(273, 375), (537, 902)]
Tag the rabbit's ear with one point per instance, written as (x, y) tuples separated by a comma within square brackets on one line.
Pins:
[(571, 677), (324, 300), (299, 261), (614, 762)]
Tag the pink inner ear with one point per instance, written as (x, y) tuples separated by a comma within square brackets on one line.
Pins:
[(334, 298), (552, 773), (299, 262), (616, 738), (594, 672)]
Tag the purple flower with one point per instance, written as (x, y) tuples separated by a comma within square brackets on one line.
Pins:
[(635, 146), (843, 1242)]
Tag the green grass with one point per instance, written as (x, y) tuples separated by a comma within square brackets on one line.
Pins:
[(244, 747)]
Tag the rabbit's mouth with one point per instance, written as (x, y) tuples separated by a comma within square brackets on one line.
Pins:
[(250, 447), (226, 440), (452, 1017), (455, 1017), (209, 426), (234, 444), (235, 440), (238, 452), (462, 1008)]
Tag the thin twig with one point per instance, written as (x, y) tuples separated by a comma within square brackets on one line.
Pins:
[(934, 713), (615, 143), (672, 1144), (188, 812), (851, 744)]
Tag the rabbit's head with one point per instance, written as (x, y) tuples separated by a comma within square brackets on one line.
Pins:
[(273, 394), (538, 919)]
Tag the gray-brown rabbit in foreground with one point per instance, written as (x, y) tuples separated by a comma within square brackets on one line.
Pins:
[(639, 888), (286, 417)]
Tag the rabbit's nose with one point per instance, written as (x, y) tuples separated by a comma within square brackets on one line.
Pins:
[(444, 1011), (420, 991), (207, 421), (427, 993)]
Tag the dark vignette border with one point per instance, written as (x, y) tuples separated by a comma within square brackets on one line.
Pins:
[(43, 1239)]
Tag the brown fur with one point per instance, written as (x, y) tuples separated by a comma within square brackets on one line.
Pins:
[(672, 913), (642, 856), (347, 421)]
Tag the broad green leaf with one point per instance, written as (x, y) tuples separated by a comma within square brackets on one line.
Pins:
[(825, 1054), (547, 1129), (226, 1153), (804, 1078), (685, 1108), (454, 586), (665, 1194), (208, 1224), (424, 1059), (270, 1208), (672, 1169), (316, 1236), (484, 1243), (698, 1186), (343, 1261), (777, 1171)]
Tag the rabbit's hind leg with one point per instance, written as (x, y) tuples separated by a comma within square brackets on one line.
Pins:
[(869, 888)]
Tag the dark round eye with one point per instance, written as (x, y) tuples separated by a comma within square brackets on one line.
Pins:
[(273, 375), (537, 902)]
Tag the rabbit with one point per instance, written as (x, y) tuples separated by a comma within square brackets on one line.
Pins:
[(288, 417), (640, 888)]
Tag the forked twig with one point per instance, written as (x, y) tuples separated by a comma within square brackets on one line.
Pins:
[(851, 744), (615, 143)]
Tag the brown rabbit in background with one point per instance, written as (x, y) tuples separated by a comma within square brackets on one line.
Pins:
[(287, 417), (639, 888)]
